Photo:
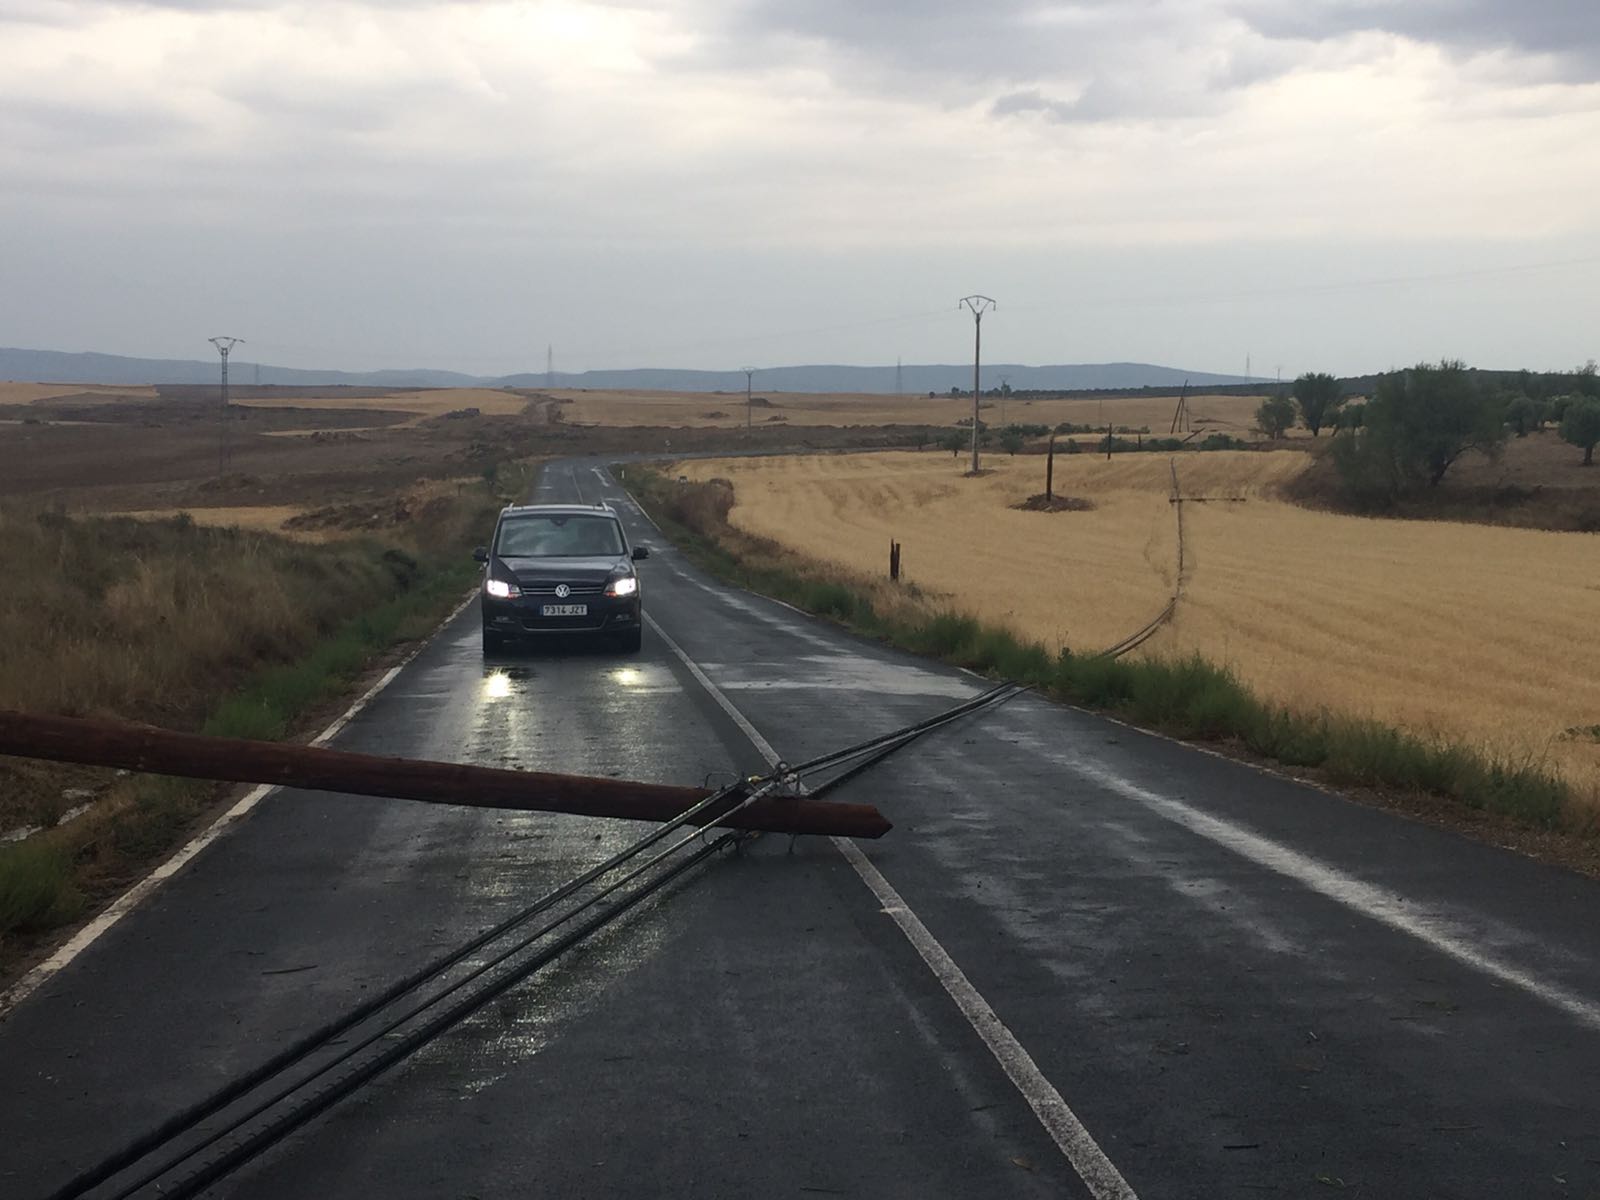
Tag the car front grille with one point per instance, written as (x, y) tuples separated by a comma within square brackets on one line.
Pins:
[(546, 588)]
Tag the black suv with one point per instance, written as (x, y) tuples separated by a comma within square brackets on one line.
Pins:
[(560, 568)]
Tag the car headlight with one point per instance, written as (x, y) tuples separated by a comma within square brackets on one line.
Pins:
[(626, 586), (501, 590)]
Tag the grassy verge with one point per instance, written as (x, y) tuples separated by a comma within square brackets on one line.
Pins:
[(1187, 697), (235, 633)]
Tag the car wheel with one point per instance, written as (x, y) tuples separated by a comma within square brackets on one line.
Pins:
[(493, 642), (631, 642)]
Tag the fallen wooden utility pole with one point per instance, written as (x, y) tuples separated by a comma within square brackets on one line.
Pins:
[(196, 756)]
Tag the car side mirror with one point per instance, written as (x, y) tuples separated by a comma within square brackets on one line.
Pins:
[(640, 552), (480, 554)]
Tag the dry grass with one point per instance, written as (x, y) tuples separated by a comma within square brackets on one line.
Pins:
[(1478, 634), (433, 402), (1228, 414), (268, 518)]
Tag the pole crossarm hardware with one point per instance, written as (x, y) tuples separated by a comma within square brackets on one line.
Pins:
[(198, 756), (979, 305)]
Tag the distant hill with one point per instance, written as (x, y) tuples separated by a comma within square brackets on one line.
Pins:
[(913, 378), (52, 366)]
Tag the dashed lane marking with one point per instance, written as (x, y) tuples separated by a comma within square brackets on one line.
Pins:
[(1096, 1170)]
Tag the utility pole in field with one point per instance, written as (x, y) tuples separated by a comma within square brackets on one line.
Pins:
[(978, 305), (224, 347), (749, 419), (549, 367), (898, 390), (1005, 385)]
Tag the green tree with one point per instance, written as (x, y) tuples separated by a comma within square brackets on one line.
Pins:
[(1524, 414), (1319, 398), (1586, 379), (1416, 426), (1275, 416), (1581, 427), (1351, 416), (1011, 442), (1438, 414), (954, 441)]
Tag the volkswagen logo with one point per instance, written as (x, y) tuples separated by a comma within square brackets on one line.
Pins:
[(562, 591)]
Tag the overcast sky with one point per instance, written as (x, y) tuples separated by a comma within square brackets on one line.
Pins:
[(1344, 185)]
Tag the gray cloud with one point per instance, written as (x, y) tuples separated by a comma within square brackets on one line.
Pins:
[(1094, 60), (456, 179), (1558, 27)]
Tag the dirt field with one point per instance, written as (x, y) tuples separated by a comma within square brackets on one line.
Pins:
[(431, 402), (1480, 633), (1227, 414)]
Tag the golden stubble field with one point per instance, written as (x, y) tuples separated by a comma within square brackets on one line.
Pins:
[(1475, 632), (1227, 414), (430, 402)]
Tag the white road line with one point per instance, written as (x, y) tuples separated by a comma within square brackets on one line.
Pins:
[(738, 718), (1098, 1173), (130, 899), (1096, 1170), (1370, 901)]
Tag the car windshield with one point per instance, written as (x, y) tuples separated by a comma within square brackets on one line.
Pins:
[(559, 535)]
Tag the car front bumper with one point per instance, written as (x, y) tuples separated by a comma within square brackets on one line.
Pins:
[(524, 616)]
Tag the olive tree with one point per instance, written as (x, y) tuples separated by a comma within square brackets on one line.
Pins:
[(1275, 416), (1523, 414), (1581, 427), (1319, 398), (1415, 427)]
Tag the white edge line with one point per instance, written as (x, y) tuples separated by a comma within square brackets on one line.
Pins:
[(1371, 901), (1092, 1165), (130, 899)]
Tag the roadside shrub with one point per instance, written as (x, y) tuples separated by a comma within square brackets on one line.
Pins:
[(36, 889), (832, 600), (943, 634)]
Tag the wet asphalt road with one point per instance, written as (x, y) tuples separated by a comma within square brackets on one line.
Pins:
[(1240, 985)]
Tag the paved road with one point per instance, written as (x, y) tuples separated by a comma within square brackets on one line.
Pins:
[(1225, 984)]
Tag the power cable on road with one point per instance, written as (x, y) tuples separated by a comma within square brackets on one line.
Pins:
[(257, 1127)]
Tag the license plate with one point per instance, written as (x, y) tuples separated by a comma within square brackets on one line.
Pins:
[(564, 610)]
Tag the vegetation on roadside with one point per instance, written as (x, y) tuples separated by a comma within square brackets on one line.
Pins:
[(1186, 697), (234, 632)]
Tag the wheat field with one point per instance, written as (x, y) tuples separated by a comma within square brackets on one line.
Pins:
[(1476, 633)]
